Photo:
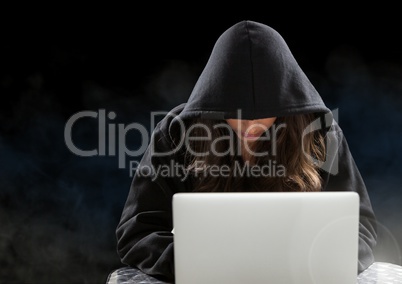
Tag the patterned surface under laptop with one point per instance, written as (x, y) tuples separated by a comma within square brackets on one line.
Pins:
[(381, 273), (377, 273)]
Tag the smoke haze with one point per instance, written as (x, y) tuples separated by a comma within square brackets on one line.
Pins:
[(58, 211)]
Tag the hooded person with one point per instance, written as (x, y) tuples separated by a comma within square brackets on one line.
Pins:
[(251, 106)]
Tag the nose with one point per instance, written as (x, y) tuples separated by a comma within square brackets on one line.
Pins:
[(252, 126)]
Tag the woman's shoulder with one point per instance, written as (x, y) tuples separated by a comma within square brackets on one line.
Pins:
[(169, 128), (336, 130), (170, 118)]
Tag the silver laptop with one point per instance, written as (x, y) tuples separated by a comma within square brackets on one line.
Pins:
[(233, 238)]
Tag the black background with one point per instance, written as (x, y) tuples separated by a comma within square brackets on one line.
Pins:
[(58, 211)]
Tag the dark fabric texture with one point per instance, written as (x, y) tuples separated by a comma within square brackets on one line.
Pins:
[(250, 69)]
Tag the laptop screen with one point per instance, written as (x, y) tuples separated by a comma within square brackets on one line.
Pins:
[(262, 237)]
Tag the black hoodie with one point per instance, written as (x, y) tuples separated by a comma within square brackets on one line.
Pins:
[(250, 69)]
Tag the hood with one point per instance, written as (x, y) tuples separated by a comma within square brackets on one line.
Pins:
[(252, 72)]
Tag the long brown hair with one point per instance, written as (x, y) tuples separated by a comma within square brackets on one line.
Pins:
[(289, 162)]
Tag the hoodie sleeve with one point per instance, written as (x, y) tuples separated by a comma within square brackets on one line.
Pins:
[(144, 233), (348, 178)]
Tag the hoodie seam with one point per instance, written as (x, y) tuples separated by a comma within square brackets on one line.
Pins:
[(287, 107), (251, 63)]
